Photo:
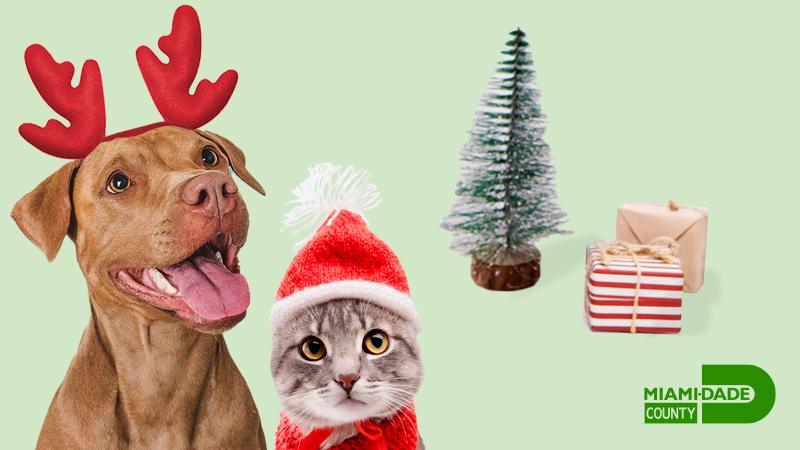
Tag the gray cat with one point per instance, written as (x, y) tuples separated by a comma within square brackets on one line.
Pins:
[(342, 362), (345, 358)]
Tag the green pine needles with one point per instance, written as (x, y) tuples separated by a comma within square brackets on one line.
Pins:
[(506, 195)]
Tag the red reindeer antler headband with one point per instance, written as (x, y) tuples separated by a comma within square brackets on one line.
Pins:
[(84, 106)]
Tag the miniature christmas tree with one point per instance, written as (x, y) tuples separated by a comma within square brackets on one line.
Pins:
[(506, 195)]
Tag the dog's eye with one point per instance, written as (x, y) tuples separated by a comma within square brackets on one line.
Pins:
[(118, 183), (209, 157), (376, 342), (312, 349)]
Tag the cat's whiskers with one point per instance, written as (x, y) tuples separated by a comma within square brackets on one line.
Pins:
[(312, 313), (414, 422), (393, 410), (306, 392), (391, 277), (393, 401), (299, 405), (386, 408), (411, 389), (396, 378), (401, 396), (307, 412)]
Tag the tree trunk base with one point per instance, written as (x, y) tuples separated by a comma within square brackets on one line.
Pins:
[(497, 277)]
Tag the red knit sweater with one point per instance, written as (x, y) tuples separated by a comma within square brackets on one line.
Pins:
[(400, 433)]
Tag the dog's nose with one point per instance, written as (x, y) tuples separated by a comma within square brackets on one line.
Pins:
[(212, 194), (347, 381)]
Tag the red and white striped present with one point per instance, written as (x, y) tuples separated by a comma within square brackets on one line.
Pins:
[(612, 302)]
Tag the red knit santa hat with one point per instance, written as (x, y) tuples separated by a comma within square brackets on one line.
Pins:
[(342, 259)]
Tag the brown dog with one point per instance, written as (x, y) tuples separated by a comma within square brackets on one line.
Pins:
[(157, 222)]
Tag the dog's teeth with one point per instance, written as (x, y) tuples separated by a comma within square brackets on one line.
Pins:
[(162, 283), (170, 289), (218, 255)]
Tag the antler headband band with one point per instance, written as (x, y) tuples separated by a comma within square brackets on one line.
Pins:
[(84, 107)]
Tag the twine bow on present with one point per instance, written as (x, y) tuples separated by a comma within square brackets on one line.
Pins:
[(664, 248)]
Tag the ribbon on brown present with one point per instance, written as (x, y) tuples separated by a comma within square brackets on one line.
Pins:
[(664, 248)]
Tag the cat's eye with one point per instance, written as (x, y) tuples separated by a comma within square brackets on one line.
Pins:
[(376, 342), (312, 349), (118, 183)]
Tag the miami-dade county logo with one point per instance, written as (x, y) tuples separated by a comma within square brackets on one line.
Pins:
[(730, 394)]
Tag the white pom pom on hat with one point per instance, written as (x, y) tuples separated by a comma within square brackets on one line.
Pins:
[(342, 259)]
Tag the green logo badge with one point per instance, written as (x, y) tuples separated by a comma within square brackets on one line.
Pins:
[(730, 394)]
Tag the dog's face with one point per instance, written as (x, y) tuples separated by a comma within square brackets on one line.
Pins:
[(157, 222)]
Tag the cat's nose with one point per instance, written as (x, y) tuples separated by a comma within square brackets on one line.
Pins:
[(347, 381)]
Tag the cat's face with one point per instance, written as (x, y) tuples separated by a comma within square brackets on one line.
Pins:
[(344, 361)]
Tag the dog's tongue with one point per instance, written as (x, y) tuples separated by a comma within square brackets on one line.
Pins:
[(208, 287)]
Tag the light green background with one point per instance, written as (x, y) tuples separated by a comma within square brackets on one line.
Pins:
[(691, 100)]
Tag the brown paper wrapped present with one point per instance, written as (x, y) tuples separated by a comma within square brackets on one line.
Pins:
[(640, 223)]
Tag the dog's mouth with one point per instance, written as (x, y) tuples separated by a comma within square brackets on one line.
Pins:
[(204, 287)]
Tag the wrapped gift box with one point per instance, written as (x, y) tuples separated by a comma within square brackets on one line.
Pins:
[(611, 294), (641, 223)]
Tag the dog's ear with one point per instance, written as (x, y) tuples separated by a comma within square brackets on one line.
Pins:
[(44, 214), (236, 158)]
